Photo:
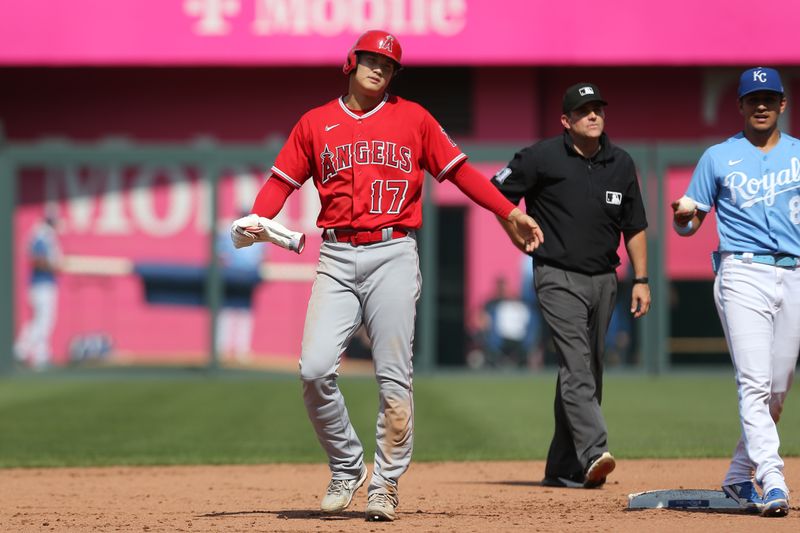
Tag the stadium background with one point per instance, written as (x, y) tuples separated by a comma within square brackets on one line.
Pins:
[(141, 124)]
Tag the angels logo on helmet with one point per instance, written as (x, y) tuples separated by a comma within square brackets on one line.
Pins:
[(386, 43)]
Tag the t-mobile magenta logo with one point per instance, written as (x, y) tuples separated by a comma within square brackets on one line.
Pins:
[(212, 15)]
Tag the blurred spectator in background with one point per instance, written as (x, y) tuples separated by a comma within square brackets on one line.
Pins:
[(505, 330), (241, 275), (536, 330), (619, 336), (32, 347)]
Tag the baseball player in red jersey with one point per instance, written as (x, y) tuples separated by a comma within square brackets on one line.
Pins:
[(366, 153)]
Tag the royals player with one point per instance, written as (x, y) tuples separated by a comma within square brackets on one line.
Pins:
[(753, 179), (33, 345), (366, 153)]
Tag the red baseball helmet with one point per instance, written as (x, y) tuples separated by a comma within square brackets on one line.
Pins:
[(377, 42)]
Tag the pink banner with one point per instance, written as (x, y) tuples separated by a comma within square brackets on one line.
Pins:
[(117, 227), (688, 258), (466, 32)]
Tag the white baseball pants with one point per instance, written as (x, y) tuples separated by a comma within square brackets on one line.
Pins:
[(759, 310), (33, 343), (234, 333)]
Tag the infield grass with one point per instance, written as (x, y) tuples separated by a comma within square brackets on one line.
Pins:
[(259, 418)]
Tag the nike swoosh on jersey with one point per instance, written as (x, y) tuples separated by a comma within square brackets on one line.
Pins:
[(731, 162), (329, 128)]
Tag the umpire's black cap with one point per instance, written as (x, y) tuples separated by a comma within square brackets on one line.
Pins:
[(579, 94)]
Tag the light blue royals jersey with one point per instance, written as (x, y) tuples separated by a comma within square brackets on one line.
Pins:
[(242, 259), (43, 246), (757, 194)]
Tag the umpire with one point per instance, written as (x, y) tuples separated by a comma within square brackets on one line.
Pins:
[(583, 192)]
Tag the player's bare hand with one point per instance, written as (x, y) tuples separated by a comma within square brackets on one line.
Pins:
[(640, 299), (527, 229)]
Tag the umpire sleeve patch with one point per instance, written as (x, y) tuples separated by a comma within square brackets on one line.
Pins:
[(502, 175)]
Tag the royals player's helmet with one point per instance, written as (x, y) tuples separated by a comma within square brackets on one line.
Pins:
[(377, 42)]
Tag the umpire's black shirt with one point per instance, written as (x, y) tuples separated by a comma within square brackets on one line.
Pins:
[(582, 205)]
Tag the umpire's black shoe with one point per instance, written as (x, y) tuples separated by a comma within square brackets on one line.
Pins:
[(563, 482), (599, 469), (574, 481)]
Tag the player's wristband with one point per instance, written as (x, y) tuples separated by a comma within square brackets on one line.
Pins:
[(682, 230), (644, 281)]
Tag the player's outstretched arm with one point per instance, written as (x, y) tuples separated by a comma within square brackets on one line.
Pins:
[(522, 229)]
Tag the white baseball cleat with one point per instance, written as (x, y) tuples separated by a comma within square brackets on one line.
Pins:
[(381, 507), (340, 493)]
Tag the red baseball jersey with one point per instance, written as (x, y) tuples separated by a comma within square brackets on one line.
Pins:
[(367, 168)]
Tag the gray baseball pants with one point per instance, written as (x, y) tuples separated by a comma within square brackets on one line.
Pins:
[(377, 284), (577, 308)]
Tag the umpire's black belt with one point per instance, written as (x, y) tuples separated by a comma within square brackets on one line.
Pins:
[(361, 237)]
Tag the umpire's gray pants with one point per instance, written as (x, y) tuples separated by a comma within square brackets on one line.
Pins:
[(577, 309)]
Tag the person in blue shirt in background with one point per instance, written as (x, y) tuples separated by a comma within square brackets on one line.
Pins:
[(753, 180), (32, 347), (534, 340), (241, 275), (505, 331)]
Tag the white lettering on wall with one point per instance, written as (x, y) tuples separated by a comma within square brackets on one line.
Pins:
[(112, 219), (51, 181), (202, 222), (449, 16), (162, 202), (281, 16), (81, 192), (333, 17), (329, 17), (245, 189), (369, 13), (179, 201), (211, 15)]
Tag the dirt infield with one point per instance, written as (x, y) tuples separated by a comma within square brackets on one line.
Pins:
[(434, 497)]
